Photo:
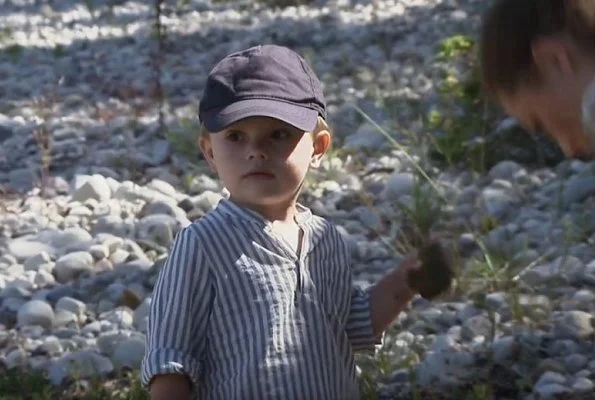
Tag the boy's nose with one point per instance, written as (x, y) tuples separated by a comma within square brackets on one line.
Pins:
[(256, 152), (253, 156)]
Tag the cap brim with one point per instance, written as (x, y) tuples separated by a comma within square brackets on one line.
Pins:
[(301, 117)]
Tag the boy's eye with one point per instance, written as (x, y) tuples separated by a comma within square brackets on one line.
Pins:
[(234, 136), (280, 134)]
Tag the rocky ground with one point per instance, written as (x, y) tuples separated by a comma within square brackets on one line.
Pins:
[(94, 188)]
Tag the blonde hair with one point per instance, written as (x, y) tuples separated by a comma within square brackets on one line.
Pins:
[(321, 125)]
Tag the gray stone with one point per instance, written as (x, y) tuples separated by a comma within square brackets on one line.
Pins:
[(367, 137), (51, 346), (578, 188), (551, 391), (15, 358), (369, 218), (6, 128), (583, 385), (497, 202), (114, 225), (445, 369), (108, 341), (397, 185), (26, 248), (91, 329), (479, 325), (575, 325), (551, 377), (65, 318), (129, 353), (44, 278), (93, 187), (36, 312), (162, 187), (504, 349), (72, 239), (132, 192), (575, 362), (121, 316), (73, 264), (159, 152), (141, 315), (561, 270), (203, 183), (99, 251), (207, 200), (73, 305), (22, 179), (505, 170), (33, 263), (159, 228), (80, 364)]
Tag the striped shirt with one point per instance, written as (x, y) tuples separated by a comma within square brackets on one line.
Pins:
[(244, 317)]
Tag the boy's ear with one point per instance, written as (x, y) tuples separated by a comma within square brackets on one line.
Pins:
[(553, 56), (322, 142), (204, 142)]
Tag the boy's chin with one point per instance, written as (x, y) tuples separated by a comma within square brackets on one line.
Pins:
[(264, 199)]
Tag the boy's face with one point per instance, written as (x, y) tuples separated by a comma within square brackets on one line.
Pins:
[(263, 161), (553, 106)]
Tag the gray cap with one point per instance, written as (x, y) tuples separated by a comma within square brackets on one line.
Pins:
[(264, 80)]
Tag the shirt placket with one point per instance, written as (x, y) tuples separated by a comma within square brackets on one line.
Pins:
[(299, 264), (298, 258)]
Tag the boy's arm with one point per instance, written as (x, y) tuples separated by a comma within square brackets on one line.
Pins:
[(170, 386), (374, 309), (390, 295), (178, 317)]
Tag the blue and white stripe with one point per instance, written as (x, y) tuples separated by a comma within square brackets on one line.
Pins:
[(236, 310)]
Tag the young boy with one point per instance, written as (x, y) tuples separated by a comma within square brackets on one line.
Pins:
[(256, 299), (538, 59)]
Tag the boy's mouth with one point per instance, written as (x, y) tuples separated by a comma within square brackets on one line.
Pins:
[(259, 174)]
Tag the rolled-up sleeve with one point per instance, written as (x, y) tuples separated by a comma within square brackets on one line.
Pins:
[(359, 322), (179, 312)]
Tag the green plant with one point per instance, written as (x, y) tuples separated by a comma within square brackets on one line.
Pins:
[(5, 34), (423, 212), (480, 391), (18, 384), (457, 132), (14, 51), (458, 125), (59, 51), (184, 138), (454, 46), (44, 107)]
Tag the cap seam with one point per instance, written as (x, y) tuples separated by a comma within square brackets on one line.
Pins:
[(309, 77), (281, 99)]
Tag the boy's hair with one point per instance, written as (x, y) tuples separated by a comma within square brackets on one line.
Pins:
[(321, 125), (510, 28)]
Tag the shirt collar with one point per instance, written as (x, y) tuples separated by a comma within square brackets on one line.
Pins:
[(303, 215)]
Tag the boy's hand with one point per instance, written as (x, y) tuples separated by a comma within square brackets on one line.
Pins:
[(404, 291)]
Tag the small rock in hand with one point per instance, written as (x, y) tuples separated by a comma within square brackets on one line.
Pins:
[(434, 277)]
